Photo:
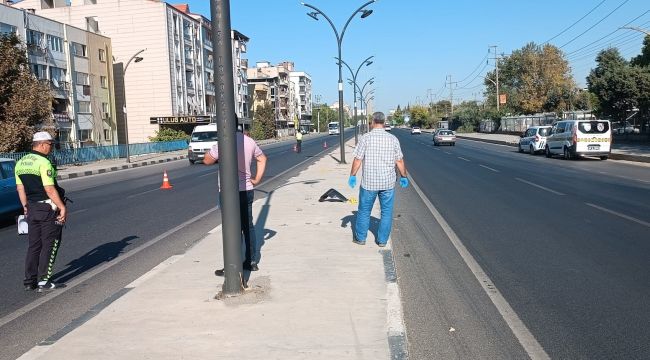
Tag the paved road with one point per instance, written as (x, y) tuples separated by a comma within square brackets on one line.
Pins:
[(123, 215), (565, 242)]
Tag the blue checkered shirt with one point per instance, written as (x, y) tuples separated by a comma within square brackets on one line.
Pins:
[(378, 150)]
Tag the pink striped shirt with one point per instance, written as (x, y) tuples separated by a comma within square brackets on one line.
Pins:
[(247, 150)]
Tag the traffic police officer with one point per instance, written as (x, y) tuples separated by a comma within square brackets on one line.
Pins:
[(44, 208)]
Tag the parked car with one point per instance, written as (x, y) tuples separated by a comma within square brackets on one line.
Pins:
[(576, 138), (533, 139), (443, 136), (416, 130), (9, 201), (626, 128)]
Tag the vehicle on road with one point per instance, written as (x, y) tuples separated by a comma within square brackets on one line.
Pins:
[(533, 139), (625, 128), (333, 128), (387, 127), (416, 130), (9, 200), (577, 138), (201, 140), (443, 136)]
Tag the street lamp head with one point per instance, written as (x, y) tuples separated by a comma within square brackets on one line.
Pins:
[(313, 15), (366, 13), (138, 59)]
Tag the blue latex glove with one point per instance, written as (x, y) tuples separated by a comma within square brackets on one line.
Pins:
[(404, 182), (352, 181)]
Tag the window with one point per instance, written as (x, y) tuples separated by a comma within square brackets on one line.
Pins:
[(107, 134), (105, 111), (57, 74), (103, 81), (83, 106), (55, 43), (78, 49), (81, 78), (39, 70), (102, 55), (6, 29), (84, 135), (34, 38)]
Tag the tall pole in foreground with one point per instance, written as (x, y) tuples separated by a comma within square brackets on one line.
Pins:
[(226, 125)]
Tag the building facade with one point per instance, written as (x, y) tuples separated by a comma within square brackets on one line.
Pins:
[(163, 61), (75, 63), (301, 85)]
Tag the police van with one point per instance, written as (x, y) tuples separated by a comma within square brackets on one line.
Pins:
[(577, 138), (201, 140)]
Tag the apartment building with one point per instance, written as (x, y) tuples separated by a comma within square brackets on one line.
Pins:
[(288, 92), (301, 85), (74, 62), (163, 61)]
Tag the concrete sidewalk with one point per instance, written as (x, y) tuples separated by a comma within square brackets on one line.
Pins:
[(316, 296)]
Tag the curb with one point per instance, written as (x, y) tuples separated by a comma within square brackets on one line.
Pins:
[(74, 175)]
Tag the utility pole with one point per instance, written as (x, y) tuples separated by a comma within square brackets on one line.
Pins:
[(496, 70), (451, 94), (318, 97), (228, 169)]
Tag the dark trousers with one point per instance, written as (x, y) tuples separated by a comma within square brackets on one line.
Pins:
[(299, 146), (44, 241), (247, 226)]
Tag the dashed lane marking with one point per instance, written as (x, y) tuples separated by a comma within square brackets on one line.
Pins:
[(540, 186), (462, 158), (489, 168), (646, 224)]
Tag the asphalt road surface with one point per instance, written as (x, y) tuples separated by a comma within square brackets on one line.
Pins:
[(565, 243)]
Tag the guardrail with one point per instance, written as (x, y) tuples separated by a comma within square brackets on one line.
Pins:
[(95, 153)]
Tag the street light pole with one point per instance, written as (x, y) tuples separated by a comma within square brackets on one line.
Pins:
[(126, 123), (339, 40), (368, 82), (354, 74)]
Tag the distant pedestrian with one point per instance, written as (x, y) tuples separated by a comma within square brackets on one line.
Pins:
[(377, 153), (247, 151), (298, 141), (44, 206)]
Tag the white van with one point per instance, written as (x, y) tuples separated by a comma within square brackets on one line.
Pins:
[(576, 138), (333, 128), (202, 139)]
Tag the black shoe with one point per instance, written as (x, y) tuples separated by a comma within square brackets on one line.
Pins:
[(254, 267), (30, 287), (358, 242), (50, 286), (219, 272)]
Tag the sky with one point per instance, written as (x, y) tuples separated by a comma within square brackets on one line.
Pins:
[(419, 45)]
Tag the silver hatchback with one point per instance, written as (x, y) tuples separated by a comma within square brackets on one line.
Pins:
[(533, 140)]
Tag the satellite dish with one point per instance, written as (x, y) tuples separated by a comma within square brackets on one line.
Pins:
[(56, 83)]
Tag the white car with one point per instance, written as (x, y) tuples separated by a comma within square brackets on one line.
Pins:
[(416, 130), (577, 138), (533, 139)]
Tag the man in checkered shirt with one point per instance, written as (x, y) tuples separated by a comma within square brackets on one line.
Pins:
[(377, 153)]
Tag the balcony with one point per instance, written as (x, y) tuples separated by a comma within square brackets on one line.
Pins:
[(207, 43)]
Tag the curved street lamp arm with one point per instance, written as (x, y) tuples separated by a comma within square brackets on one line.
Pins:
[(352, 16), (492, 81), (359, 68), (133, 57), (636, 28), (348, 66), (336, 33), (367, 82)]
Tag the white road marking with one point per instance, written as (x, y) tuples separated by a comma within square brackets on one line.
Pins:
[(142, 193), (448, 153), (619, 215), (519, 329), (489, 168), (436, 149), (540, 186), (462, 158)]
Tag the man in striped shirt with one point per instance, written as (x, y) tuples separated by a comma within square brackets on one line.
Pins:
[(377, 153)]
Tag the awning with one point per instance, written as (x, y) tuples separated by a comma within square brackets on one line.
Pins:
[(85, 121)]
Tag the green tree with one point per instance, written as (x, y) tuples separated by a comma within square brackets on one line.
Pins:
[(534, 78), (263, 126), (25, 102), (614, 83), (643, 59), (168, 134), (327, 115), (467, 116), (420, 116), (398, 116)]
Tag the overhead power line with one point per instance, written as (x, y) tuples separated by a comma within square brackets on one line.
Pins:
[(593, 42), (575, 23), (594, 25), (477, 66)]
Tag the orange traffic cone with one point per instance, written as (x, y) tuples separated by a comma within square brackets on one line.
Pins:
[(324, 144), (166, 185)]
